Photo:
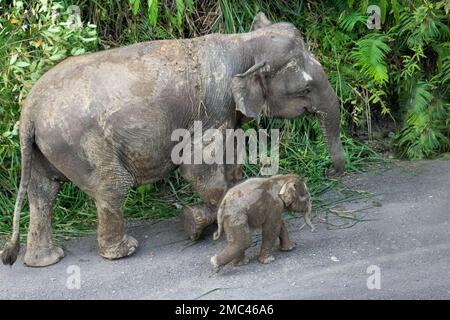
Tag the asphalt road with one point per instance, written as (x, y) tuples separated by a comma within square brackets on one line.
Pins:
[(401, 249)]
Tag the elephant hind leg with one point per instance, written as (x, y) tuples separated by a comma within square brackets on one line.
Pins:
[(239, 240), (42, 191), (113, 242)]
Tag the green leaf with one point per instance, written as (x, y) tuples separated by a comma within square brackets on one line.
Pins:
[(135, 6), (44, 6), (57, 56), (363, 6), (180, 12), (13, 59), (91, 39), (383, 8), (421, 96), (22, 64), (426, 128), (77, 51), (152, 11), (190, 4), (396, 10), (348, 22), (370, 53), (54, 29)]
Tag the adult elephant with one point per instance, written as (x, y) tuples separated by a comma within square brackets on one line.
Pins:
[(104, 121)]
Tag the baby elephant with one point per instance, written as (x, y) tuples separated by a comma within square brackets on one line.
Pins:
[(259, 202)]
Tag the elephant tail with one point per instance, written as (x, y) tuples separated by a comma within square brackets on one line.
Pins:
[(11, 250), (218, 233)]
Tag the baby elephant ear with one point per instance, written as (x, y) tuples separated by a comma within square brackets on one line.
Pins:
[(287, 193), (247, 90), (260, 21)]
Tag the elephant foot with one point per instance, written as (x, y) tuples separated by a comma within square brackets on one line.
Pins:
[(124, 248), (288, 247), (266, 259), (43, 257), (196, 219), (241, 262), (215, 264), (333, 173)]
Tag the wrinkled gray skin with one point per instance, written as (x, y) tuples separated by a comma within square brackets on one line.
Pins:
[(104, 122), (259, 203)]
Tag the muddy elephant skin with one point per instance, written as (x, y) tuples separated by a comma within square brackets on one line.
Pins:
[(259, 203), (104, 122)]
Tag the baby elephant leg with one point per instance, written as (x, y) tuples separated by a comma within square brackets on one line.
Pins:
[(285, 243), (239, 240), (241, 260), (270, 232)]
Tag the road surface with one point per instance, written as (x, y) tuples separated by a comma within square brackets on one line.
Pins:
[(400, 251)]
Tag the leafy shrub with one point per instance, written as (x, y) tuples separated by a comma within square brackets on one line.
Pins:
[(400, 72), (422, 79), (34, 36)]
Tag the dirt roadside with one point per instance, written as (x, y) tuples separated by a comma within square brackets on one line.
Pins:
[(405, 240)]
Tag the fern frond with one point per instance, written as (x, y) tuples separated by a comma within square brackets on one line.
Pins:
[(445, 78), (420, 97), (395, 9), (363, 4), (369, 56), (425, 131), (421, 27), (383, 4), (348, 22)]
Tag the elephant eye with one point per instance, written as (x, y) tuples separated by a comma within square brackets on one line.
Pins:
[(303, 92)]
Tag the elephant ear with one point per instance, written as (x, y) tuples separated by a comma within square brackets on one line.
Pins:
[(304, 192), (248, 92), (287, 193), (260, 21)]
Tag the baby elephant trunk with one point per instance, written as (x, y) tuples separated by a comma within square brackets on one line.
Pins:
[(307, 216)]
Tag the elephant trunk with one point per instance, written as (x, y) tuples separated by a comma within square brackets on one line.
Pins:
[(329, 116)]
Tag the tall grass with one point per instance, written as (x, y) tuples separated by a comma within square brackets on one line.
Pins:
[(302, 148)]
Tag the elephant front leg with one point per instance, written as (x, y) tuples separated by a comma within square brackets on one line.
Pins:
[(285, 243), (270, 232), (210, 181), (196, 218)]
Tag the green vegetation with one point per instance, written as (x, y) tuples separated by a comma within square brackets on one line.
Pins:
[(396, 78)]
